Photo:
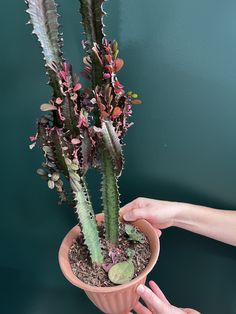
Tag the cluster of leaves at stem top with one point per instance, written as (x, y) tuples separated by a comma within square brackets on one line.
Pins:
[(82, 127)]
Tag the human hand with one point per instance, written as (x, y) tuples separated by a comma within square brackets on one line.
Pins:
[(157, 303), (161, 214)]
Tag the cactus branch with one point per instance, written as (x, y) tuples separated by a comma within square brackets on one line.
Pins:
[(113, 145), (44, 17), (86, 216), (110, 197), (92, 20)]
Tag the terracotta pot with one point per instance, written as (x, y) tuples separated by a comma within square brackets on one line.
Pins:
[(111, 300)]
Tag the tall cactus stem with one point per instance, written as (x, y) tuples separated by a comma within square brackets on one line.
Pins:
[(86, 216), (110, 197)]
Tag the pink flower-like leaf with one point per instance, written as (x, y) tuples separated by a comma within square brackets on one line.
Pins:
[(66, 84), (60, 115), (108, 68), (75, 141), (62, 75), (117, 84), (108, 58), (77, 87), (118, 91), (106, 76), (33, 137), (82, 121), (67, 67), (113, 253), (116, 112), (107, 266), (59, 101), (118, 64)]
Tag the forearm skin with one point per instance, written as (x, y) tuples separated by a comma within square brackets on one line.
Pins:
[(213, 223)]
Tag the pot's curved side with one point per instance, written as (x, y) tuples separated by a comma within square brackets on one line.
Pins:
[(118, 299), (117, 302)]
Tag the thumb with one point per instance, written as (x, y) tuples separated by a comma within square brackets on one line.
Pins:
[(135, 214)]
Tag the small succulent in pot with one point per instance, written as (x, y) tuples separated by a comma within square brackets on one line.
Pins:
[(83, 126)]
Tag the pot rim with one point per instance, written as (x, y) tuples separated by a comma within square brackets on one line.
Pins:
[(64, 261)]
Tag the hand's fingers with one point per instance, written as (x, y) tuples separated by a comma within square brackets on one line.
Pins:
[(138, 213), (158, 232), (141, 309), (158, 291), (131, 205), (152, 300), (190, 311)]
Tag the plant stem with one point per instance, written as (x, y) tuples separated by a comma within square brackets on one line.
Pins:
[(110, 197), (86, 216)]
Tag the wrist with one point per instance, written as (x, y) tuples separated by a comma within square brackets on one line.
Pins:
[(184, 215)]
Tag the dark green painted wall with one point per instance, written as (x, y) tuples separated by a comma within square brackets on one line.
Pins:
[(181, 57)]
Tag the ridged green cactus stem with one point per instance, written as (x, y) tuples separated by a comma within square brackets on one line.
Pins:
[(85, 213), (92, 19), (110, 197), (44, 18)]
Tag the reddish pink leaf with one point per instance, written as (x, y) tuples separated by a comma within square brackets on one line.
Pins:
[(106, 76), (77, 87), (75, 141), (66, 84), (118, 84), (62, 75), (104, 115), (108, 58), (67, 67), (109, 68), (118, 64), (116, 112), (118, 91), (136, 102), (59, 101)]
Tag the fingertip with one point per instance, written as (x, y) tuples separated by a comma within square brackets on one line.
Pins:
[(152, 284), (140, 289)]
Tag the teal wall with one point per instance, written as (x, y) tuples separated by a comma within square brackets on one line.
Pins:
[(181, 58)]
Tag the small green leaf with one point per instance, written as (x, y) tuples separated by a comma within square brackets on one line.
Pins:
[(68, 161), (47, 107), (121, 273), (133, 234), (130, 253), (74, 167), (51, 184), (55, 176), (47, 149), (41, 172)]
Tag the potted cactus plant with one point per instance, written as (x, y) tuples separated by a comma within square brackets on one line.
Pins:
[(83, 128)]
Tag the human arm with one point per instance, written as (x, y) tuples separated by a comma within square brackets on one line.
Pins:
[(214, 223)]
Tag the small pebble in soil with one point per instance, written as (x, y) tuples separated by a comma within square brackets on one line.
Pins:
[(95, 275)]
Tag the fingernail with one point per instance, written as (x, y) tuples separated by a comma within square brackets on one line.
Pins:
[(140, 289), (127, 216)]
